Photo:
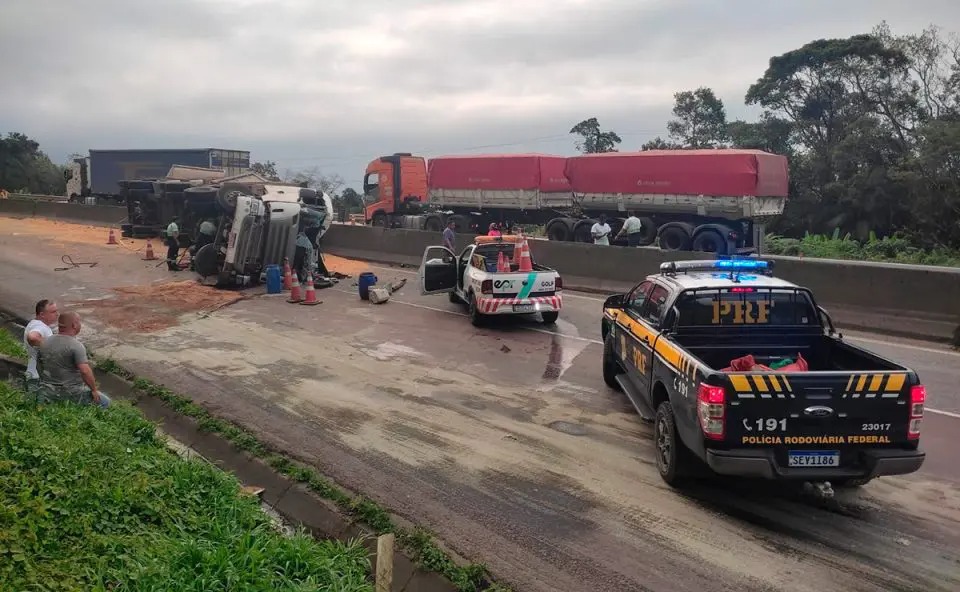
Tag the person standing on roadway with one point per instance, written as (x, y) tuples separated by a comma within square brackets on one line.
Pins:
[(494, 230), (173, 245), (65, 372), (632, 227), (449, 238), (36, 332), (601, 231)]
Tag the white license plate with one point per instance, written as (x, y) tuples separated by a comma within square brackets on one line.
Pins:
[(524, 308), (813, 458)]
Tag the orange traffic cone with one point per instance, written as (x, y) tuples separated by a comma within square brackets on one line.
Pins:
[(112, 238), (149, 256), (311, 292), (287, 275), (526, 263), (502, 265), (295, 296)]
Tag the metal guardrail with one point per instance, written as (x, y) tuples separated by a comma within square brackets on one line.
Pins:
[(34, 197)]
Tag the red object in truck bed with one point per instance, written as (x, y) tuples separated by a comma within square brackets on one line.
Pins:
[(681, 172), (498, 172)]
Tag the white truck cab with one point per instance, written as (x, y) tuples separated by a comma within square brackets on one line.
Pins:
[(472, 278)]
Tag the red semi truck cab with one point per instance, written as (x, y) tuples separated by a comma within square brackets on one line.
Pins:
[(395, 184)]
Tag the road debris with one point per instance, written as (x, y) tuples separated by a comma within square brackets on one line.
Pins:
[(71, 264)]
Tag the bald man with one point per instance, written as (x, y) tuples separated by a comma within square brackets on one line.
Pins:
[(65, 372)]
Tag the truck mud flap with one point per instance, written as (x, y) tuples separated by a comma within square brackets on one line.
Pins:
[(636, 400)]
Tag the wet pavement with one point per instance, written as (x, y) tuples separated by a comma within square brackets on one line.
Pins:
[(505, 441)]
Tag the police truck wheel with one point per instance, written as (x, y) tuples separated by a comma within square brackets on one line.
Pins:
[(611, 367), (550, 317), (476, 317), (673, 458)]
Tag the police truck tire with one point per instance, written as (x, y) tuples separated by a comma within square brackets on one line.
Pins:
[(674, 461), (611, 367), (550, 317), (476, 317)]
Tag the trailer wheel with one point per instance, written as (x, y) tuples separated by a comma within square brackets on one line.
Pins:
[(648, 231), (674, 238), (461, 223), (433, 223), (710, 241), (559, 229), (581, 231), (380, 220)]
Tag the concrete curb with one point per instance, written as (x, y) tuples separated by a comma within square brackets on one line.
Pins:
[(291, 500)]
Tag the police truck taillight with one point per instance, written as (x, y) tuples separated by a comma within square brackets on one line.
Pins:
[(918, 396), (486, 287), (711, 409)]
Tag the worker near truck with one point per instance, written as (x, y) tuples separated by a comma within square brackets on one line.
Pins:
[(601, 231), (633, 228), (173, 245), (449, 238)]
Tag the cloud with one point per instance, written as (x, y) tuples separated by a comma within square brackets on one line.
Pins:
[(336, 84)]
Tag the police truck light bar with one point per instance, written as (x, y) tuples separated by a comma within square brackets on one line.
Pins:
[(671, 267)]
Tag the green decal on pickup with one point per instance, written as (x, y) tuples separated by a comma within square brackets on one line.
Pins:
[(525, 290)]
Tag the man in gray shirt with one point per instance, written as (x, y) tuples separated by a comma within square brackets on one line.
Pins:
[(65, 372), (449, 238)]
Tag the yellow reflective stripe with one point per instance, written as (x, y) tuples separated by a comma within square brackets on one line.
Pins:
[(775, 383), (895, 383), (861, 383), (850, 382), (761, 383), (786, 383), (740, 383), (875, 382)]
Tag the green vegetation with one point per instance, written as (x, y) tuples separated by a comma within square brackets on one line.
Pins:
[(24, 168), (91, 499), (11, 346), (893, 249)]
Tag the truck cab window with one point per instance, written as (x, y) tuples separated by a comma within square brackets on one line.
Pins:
[(371, 186), (654, 307)]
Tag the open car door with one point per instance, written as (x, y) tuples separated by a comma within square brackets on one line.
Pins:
[(438, 271)]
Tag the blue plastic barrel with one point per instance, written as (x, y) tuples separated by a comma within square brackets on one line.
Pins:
[(367, 280), (274, 281)]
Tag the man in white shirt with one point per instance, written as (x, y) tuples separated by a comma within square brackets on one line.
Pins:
[(601, 231), (37, 331), (632, 227)]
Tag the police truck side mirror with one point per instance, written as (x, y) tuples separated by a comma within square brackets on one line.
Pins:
[(615, 301), (827, 322)]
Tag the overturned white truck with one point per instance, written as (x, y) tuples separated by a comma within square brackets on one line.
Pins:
[(258, 226)]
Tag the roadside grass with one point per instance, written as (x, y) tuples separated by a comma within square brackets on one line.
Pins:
[(890, 249), (419, 543), (92, 499)]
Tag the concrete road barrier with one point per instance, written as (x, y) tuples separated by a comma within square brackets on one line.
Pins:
[(907, 300), (97, 215)]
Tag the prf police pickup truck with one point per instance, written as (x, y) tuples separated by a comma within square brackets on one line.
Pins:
[(743, 372)]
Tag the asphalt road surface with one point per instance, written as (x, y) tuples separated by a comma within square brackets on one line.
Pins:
[(505, 441)]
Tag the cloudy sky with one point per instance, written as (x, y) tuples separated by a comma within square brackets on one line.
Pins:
[(335, 83)]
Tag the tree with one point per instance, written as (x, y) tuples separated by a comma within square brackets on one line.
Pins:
[(315, 179), (770, 134), (592, 140), (24, 167), (266, 169), (659, 143), (700, 119)]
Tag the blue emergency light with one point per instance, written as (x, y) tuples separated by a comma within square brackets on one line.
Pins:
[(722, 265)]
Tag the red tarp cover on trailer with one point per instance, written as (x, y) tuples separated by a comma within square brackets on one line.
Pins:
[(681, 172), (498, 172)]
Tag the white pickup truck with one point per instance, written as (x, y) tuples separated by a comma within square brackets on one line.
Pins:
[(472, 278)]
